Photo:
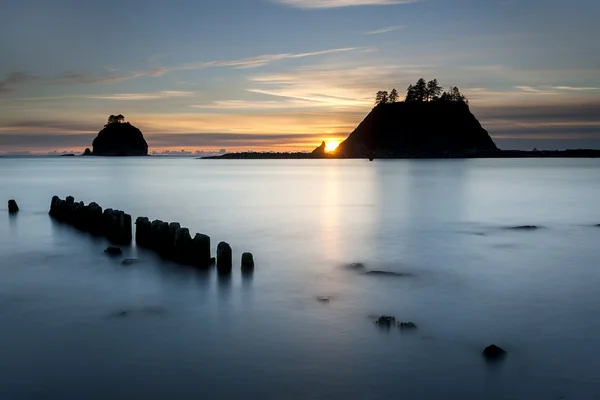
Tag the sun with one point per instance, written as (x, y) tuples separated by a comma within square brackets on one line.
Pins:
[(331, 146)]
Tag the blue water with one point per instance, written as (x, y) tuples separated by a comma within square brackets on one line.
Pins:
[(75, 323)]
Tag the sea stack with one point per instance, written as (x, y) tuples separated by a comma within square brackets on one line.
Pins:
[(119, 138), (433, 129)]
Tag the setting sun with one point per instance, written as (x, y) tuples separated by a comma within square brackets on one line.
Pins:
[(331, 146)]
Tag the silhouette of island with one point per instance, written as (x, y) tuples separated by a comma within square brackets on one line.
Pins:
[(429, 123), (118, 138)]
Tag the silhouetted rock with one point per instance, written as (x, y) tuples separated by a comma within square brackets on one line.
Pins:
[(12, 206), (524, 228), (224, 257), (247, 260), (320, 152), (407, 325), (113, 251), (386, 321), (119, 139), (87, 152), (493, 353), (417, 129)]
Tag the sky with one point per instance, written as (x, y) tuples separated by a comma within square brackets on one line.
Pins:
[(284, 75)]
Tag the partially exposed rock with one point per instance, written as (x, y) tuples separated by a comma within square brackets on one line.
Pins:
[(12, 206), (407, 325), (386, 321), (247, 260), (494, 353), (113, 251)]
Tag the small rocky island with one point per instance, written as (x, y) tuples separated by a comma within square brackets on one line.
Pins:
[(118, 138)]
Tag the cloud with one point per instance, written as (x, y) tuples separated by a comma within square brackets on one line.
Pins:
[(71, 77), (163, 94), (574, 88), (15, 78), (385, 30), (341, 3)]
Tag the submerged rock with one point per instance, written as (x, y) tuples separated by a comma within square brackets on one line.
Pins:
[(493, 353), (113, 251), (386, 273), (386, 321), (524, 227), (12, 206), (130, 261), (407, 325)]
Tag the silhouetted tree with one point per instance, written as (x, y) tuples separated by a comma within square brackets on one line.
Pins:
[(433, 90), (453, 94), (116, 119), (381, 97), (410, 94), (393, 97)]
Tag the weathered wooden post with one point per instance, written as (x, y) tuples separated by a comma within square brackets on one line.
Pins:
[(182, 249), (247, 261), (224, 258), (143, 231), (201, 250)]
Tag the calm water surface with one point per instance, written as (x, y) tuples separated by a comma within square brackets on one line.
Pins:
[(468, 281)]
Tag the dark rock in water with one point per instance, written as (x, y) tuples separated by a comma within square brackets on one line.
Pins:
[(524, 227), (355, 266), (12, 206), (407, 325), (130, 261), (247, 260), (201, 250), (119, 139), (323, 299), (87, 152), (224, 258), (113, 251), (386, 321), (418, 129), (67, 155), (386, 273), (494, 353)]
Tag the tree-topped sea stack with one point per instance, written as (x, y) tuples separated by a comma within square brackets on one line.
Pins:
[(119, 138), (429, 123)]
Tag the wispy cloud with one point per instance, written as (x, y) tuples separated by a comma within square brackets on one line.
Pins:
[(574, 88), (13, 79), (385, 30), (80, 77), (341, 3), (164, 94)]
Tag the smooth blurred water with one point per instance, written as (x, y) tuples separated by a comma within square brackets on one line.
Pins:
[(468, 282)]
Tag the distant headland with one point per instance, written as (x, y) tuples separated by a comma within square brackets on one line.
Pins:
[(429, 123), (118, 138)]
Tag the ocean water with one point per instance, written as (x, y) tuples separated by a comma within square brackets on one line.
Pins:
[(75, 323)]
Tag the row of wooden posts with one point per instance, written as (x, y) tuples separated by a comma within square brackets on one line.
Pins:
[(169, 240)]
